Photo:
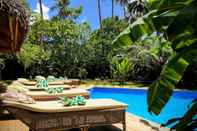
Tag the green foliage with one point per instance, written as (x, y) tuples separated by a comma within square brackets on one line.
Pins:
[(58, 53), (82, 73), (121, 69), (147, 56), (31, 54), (99, 45)]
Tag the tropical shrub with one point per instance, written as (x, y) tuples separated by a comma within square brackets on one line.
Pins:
[(120, 69), (32, 57), (147, 56), (82, 73)]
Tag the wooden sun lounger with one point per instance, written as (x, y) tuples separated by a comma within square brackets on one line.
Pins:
[(34, 88), (51, 115), (33, 83), (57, 82), (43, 95)]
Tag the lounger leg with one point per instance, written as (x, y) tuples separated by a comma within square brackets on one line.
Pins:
[(124, 122), (124, 126), (84, 128)]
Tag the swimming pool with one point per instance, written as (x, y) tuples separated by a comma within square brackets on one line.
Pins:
[(136, 100)]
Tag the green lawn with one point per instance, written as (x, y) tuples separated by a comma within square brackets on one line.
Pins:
[(112, 84)]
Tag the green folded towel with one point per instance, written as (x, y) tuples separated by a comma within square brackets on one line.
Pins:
[(78, 100), (43, 83)]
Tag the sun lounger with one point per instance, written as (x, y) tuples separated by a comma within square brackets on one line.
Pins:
[(51, 115), (34, 88), (33, 83), (72, 81), (57, 82), (43, 95)]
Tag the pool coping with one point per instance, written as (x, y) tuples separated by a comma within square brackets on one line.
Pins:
[(122, 87), (147, 122)]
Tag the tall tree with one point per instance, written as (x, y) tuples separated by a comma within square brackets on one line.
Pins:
[(64, 11), (41, 10), (42, 17), (99, 12), (123, 3), (112, 11)]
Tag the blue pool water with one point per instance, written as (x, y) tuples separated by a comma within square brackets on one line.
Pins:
[(136, 100)]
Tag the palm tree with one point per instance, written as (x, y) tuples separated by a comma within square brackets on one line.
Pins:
[(64, 11), (135, 8), (42, 17), (60, 6), (112, 12), (99, 11), (123, 3), (41, 11)]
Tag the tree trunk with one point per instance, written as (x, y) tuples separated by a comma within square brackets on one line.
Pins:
[(41, 11), (41, 14), (112, 10), (99, 11), (124, 12)]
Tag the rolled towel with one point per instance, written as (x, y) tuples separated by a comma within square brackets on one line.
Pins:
[(17, 97)]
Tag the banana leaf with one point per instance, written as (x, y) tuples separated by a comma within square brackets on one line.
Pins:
[(182, 33), (168, 4), (123, 39), (183, 30), (135, 31), (161, 90), (187, 122)]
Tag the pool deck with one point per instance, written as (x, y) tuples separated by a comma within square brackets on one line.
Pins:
[(134, 123)]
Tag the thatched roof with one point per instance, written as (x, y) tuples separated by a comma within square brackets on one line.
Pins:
[(13, 25)]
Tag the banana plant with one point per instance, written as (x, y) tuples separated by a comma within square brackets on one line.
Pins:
[(182, 34), (177, 20), (121, 69)]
